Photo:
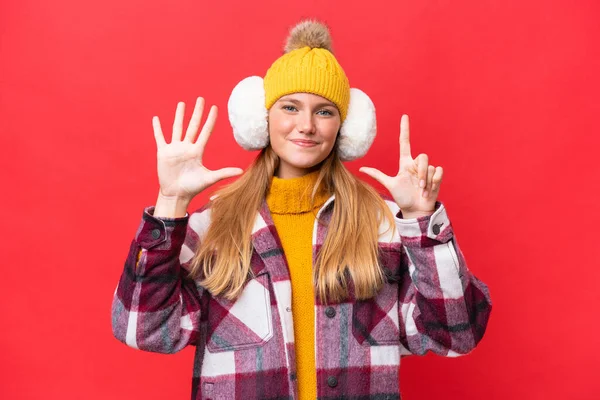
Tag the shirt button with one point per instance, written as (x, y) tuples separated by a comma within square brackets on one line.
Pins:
[(330, 312), (155, 233), (436, 228), (332, 381)]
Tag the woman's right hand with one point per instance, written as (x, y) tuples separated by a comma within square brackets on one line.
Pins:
[(181, 174)]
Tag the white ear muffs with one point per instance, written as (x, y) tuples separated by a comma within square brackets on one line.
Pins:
[(248, 114), (248, 118), (359, 129)]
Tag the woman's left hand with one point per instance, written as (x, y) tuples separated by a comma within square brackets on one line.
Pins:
[(416, 186)]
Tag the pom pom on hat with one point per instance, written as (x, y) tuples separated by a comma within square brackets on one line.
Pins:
[(308, 33)]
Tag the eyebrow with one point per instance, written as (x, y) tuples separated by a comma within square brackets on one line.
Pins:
[(322, 104)]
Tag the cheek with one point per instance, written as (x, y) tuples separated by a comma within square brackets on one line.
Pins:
[(279, 127), (329, 130)]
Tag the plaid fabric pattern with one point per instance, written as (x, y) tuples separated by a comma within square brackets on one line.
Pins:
[(245, 348)]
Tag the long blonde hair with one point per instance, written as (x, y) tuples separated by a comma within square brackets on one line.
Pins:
[(349, 251)]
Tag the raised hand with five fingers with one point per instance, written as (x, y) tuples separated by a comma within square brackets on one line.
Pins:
[(416, 186), (181, 173)]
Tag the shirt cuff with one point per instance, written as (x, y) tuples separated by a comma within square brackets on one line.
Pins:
[(161, 233), (427, 230)]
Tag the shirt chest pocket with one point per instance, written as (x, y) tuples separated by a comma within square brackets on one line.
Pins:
[(243, 323), (375, 321)]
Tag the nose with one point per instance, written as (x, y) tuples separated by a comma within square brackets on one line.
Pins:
[(306, 124)]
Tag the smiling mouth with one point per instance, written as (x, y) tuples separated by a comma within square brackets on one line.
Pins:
[(304, 143)]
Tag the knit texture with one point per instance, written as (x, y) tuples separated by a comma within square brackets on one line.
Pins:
[(308, 70), (294, 218)]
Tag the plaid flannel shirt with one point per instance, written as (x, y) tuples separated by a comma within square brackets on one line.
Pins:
[(245, 348)]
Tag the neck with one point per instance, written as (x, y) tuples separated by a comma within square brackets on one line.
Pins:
[(286, 171)]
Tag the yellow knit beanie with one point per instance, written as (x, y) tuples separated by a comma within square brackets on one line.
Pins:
[(308, 66)]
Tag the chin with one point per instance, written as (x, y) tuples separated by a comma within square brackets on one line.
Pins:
[(303, 162)]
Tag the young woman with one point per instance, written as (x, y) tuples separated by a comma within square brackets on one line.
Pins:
[(298, 280)]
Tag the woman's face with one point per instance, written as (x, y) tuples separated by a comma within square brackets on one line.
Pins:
[(302, 130)]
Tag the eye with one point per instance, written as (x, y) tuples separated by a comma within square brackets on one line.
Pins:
[(326, 112), (289, 108)]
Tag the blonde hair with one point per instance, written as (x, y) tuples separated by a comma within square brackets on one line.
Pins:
[(348, 256)]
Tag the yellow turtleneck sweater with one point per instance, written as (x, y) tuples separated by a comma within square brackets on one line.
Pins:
[(294, 218)]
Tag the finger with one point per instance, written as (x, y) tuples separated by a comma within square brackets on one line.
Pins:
[(178, 123), (192, 130), (404, 138), (207, 128), (377, 175), (430, 172), (158, 135), (437, 178), (422, 162), (224, 173)]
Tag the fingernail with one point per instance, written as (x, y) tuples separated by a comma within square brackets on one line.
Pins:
[(425, 193), (422, 183)]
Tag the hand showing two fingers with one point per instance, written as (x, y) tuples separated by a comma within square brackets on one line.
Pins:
[(416, 186), (181, 172)]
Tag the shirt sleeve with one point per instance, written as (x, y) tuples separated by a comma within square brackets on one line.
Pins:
[(443, 307), (156, 307)]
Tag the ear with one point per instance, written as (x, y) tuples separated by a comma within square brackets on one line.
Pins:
[(248, 114), (359, 128)]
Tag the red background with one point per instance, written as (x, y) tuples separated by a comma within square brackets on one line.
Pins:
[(502, 94)]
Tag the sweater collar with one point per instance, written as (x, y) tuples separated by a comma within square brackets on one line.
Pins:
[(293, 195)]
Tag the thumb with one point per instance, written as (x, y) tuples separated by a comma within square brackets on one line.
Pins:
[(376, 174), (225, 173)]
